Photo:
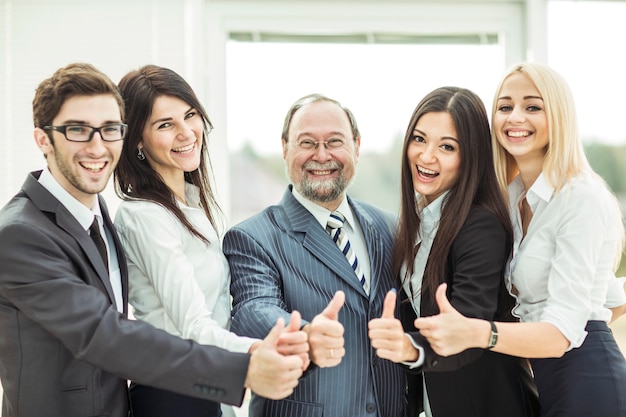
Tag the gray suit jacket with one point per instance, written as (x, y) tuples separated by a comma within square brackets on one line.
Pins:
[(64, 348), (283, 260)]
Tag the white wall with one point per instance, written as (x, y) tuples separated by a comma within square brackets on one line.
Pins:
[(39, 36)]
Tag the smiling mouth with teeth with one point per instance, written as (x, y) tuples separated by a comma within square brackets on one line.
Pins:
[(327, 172), (427, 173), (93, 167), (518, 134), (185, 149)]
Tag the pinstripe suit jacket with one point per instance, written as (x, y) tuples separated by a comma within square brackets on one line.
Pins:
[(283, 260)]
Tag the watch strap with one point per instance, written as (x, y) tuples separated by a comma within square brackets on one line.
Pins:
[(493, 338)]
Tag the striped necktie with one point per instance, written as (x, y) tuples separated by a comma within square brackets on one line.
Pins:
[(338, 234)]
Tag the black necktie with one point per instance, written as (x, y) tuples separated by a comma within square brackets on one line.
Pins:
[(94, 232)]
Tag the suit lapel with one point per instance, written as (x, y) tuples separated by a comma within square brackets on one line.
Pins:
[(317, 241), (46, 202), (374, 243)]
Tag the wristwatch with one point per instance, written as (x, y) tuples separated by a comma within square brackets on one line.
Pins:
[(493, 339)]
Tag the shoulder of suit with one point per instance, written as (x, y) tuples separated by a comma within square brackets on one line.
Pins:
[(481, 214), (20, 209), (21, 217), (270, 214), (479, 223)]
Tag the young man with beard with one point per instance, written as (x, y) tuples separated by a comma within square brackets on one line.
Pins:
[(67, 346), (289, 257)]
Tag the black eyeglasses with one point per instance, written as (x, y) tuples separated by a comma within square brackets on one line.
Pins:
[(84, 133)]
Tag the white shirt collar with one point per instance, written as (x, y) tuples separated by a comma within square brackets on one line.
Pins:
[(430, 215), (540, 188), (83, 215), (321, 214), (192, 196)]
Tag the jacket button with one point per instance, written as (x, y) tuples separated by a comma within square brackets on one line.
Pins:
[(217, 392), (370, 408), (201, 388)]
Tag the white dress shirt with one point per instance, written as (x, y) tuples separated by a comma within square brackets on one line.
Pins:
[(430, 215), (85, 217), (177, 282), (351, 227), (562, 269)]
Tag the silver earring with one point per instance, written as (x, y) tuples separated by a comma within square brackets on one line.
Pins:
[(140, 154)]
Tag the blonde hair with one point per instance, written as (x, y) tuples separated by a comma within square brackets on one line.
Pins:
[(565, 157)]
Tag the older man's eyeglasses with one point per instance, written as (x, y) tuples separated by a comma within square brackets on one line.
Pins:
[(84, 133), (308, 144)]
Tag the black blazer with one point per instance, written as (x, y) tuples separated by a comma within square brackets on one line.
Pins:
[(65, 350), (476, 382)]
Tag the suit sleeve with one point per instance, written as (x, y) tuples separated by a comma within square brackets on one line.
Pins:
[(46, 277), (256, 285), (474, 279)]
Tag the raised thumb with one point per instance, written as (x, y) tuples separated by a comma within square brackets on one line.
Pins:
[(389, 306), (442, 299), (294, 321), (332, 309), (272, 337)]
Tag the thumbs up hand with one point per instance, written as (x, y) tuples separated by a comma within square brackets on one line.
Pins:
[(293, 341), (387, 334), (448, 332), (271, 374), (326, 334)]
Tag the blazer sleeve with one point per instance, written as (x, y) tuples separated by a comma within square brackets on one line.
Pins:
[(256, 285), (475, 280), (46, 278)]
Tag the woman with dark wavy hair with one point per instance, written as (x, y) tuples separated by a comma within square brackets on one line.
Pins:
[(179, 278), (454, 228)]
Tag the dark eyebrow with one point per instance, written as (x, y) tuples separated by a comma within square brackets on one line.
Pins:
[(82, 122), (165, 119), (425, 135)]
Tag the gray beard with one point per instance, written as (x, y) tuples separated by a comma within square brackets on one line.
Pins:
[(323, 191)]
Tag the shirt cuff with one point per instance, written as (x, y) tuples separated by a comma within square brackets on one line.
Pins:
[(420, 354)]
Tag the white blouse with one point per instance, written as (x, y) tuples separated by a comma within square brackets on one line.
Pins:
[(429, 225), (563, 268), (177, 282)]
